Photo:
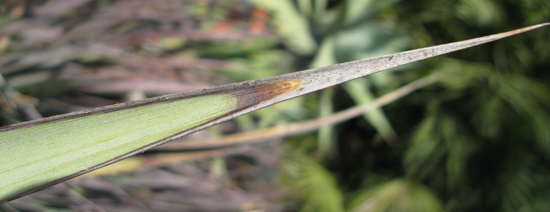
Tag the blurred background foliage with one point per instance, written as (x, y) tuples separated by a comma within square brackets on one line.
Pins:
[(477, 140)]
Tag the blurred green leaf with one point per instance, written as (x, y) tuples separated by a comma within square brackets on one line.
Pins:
[(311, 182), (360, 93), (397, 195)]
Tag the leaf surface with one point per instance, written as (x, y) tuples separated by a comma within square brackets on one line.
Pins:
[(41, 153)]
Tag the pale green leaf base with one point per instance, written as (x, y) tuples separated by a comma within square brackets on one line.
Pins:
[(34, 156)]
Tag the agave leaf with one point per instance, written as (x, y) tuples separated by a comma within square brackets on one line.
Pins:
[(41, 153)]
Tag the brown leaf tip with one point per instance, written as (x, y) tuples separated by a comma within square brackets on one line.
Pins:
[(258, 93)]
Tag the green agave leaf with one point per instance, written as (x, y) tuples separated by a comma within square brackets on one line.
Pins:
[(41, 153)]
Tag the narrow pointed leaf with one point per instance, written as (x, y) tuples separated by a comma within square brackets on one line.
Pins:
[(41, 153)]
